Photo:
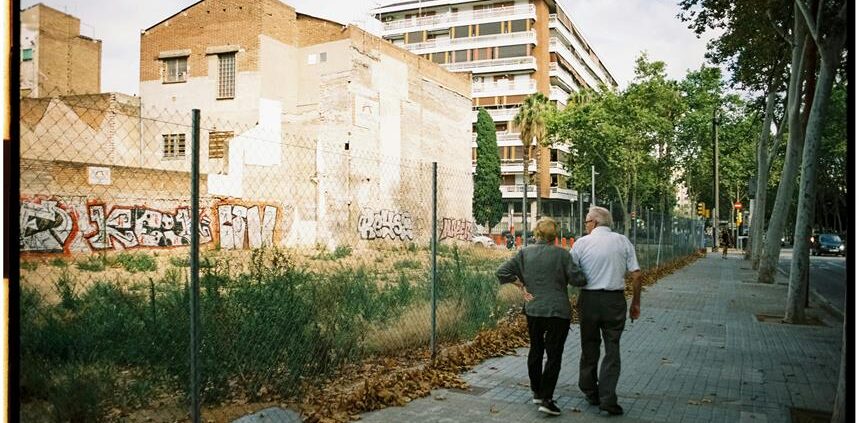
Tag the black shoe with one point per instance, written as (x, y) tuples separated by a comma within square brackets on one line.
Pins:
[(614, 410), (548, 406), (593, 400)]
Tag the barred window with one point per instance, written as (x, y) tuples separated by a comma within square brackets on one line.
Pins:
[(174, 146), (176, 69), (27, 54), (227, 75), (218, 143)]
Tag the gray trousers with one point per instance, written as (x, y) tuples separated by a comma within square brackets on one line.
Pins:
[(601, 313)]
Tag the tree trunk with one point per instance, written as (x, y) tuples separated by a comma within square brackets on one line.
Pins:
[(795, 309), (786, 186), (526, 177), (622, 199), (839, 411), (757, 224)]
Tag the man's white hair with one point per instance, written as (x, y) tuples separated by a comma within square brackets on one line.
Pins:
[(600, 215)]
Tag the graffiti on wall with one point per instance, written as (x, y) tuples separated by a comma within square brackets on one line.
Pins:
[(385, 224), (460, 229), (237, 224), (139, 226), (47, 226)]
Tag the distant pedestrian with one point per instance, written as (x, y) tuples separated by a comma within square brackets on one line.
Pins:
[(726, 241), (605, 257), (542, 271)]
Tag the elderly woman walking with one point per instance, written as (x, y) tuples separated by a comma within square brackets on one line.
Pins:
[(543, 271)]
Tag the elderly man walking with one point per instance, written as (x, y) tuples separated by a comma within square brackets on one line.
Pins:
[(605, 257), (542, 271)]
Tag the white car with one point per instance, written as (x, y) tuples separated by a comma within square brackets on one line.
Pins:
[(483, 241)]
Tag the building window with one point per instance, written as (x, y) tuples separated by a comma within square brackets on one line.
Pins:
[(174, 146), (460, 56), (176, 69), (218, 143), (227, 75), (460, 31), (512, 51), (27, 54), (520, 25), (439, 58), (490, 28), (414, 37), (323, 57)]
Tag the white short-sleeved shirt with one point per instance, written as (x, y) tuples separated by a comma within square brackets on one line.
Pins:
[(605, 257)]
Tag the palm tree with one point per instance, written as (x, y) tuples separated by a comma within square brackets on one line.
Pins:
[(531, 121)]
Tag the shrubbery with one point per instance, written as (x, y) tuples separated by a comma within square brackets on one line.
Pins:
[(264, 332)]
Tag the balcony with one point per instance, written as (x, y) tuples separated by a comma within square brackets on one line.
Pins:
[(574, 41), (564, 77), (494, 65), (559, 95), (555, 45), (557, 168), (563, 193), (448, 44), (504, 87), (515, 191), (498, 115), (514, 166), (504, 139), (465, 17)]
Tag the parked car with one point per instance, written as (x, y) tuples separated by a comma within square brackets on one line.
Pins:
[(827, 244), (483, 241)]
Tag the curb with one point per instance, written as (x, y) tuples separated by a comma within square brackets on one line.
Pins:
[(819, 299)]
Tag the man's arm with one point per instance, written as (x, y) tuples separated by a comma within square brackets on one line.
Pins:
[(635, 307)]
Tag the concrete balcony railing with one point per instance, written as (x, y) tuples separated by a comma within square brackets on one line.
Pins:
[(508, 87), (563, 193), (556, 46), (562, 75), (514, 166), (498, 115), (574, 41), (446, 44), (494, 65), (558, 168), (443, 20), (504, 139), (559, 95), (515, 191)]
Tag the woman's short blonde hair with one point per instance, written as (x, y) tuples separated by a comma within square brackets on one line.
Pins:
[(546, 229)]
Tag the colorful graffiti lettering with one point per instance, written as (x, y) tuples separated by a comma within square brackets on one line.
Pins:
[(46, 226), (135, 227), (456, 229), (237, 224), (385, 224)]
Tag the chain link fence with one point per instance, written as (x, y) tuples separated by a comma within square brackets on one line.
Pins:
[(314, 255)]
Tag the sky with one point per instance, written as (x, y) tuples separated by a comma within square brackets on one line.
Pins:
[(618, 30)]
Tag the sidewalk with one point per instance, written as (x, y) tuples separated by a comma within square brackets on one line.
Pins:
[(698, 354)]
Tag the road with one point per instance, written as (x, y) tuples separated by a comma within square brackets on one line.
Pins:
[(828, 276)]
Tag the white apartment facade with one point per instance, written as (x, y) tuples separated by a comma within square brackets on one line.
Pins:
[(512, 49)]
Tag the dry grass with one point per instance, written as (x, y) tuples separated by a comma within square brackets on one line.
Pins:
[(412, 329)]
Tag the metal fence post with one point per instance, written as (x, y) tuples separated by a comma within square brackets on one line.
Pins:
[(434, 247), (195, 266)]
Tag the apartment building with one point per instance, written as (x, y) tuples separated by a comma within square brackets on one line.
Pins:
[(55, 58), (511, 49)]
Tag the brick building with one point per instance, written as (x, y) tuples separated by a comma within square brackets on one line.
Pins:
[(55, 58)]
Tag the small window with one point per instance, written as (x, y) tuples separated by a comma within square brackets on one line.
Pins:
[(323, 57), (174, 146), (219, 143), (490, 28), (176, 69), (27, 54), (518, 26), (513, 51), (227, 75)]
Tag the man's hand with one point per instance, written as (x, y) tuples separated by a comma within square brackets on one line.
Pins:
[(634, 311)]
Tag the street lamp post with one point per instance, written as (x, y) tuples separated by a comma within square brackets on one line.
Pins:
[(715, 179), (593, 186)]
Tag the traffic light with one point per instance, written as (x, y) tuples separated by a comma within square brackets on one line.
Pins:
[(739, 217), (701, 209)]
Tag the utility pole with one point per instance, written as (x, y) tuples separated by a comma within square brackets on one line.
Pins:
[(593, 186), (715, 179)]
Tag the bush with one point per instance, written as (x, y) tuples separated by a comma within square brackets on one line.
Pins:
[(138, 262), (92, 264), (58, 262), (179, 261), (29, 265)]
